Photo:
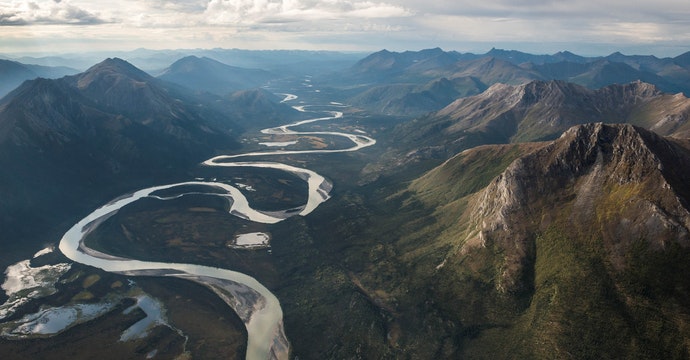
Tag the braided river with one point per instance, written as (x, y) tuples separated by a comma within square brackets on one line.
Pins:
[(256, 306)]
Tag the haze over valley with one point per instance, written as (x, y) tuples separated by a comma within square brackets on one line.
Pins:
[(347, 200)]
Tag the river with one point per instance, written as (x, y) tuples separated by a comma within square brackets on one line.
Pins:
[(258, 308)]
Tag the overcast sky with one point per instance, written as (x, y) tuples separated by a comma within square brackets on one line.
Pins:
[(587, 27)]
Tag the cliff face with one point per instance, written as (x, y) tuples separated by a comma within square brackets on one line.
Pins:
[(576, 247), (542, 110), (619, 181)]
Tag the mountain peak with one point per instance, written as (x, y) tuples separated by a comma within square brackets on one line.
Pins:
[(193, 59), (591, 166), (205, 74), (542, 110), (117, 65), (431, 52), (109, 73)]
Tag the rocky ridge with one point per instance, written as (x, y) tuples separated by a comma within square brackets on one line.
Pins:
[(538, 111), (625, 182), (575, 247)]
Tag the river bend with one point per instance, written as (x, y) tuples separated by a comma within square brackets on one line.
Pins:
[(258, 308)]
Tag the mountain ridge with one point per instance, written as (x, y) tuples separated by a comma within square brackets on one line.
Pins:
[(206, 74), (584, 152), (556, 239), (543, 110), (94, 135), (392, 69), (13, 73)]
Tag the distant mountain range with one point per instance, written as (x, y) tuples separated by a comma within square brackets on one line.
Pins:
[(285, 62), (13, 73), (379, 76), (536, 111)]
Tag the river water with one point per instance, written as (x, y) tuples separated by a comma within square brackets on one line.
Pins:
[(258, 308)]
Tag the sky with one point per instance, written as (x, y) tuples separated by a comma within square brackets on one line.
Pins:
[(586, 27)]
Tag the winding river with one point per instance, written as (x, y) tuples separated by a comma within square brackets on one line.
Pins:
[(258, 308)]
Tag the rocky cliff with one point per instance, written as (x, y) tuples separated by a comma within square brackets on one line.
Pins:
[(576, 247), (539, 111), (621, 182)]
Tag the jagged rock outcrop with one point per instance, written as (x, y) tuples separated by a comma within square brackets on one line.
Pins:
[(576, 247), (615, 183), (539, 111), (542, 110)]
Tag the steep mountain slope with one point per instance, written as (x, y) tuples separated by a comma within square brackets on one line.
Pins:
[(13, 73), (257, 109), (489, 70), (683, 60), (543, 110), (570, 248), (121, 88), (93, 136), (411, 99), (205, 74), (602, 73), (384, 65)]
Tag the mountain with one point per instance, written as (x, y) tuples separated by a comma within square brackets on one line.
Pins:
[(118, 85), (411, 99), (683, 60), (543, 110), (601, 73), (416, 82), (386, 66), (94, 136), (257, 109), (205, 74), (13, 73), (489, 70), (403, 70), (519, 57), (570, 248), (575, 247), (385, 61), (569, 57)]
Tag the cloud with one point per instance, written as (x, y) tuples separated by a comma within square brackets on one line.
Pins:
[(351, 24), (46, 12), (11, 18), (246, 12)]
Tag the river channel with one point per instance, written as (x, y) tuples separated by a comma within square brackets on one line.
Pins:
[(258, 308)]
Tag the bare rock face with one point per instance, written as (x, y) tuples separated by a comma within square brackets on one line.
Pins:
[(615, 183), (544, 109), (537, 111)]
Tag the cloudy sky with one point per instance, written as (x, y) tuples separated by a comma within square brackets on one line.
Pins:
[(587, 27)]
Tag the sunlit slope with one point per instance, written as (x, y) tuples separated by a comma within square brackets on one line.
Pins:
[(572, 248)]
